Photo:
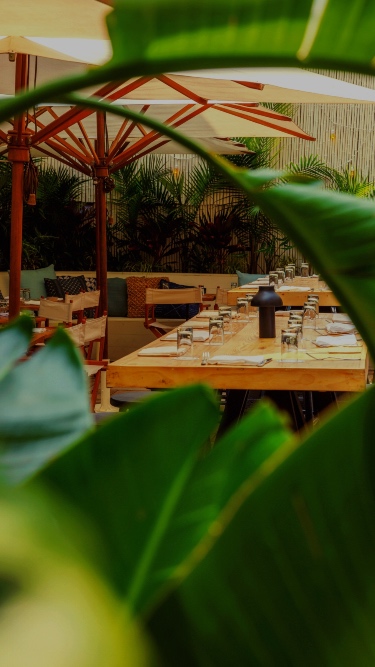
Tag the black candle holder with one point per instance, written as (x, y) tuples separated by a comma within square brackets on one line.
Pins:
[(267, 300)]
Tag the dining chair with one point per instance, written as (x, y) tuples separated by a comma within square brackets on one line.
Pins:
[(91, 301), (58, 311), (78, 302), (94, 331), (93, 369), (221, 298), (154, 297)]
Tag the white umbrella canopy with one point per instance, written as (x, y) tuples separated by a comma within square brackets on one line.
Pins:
[(74, 141), (62, 29)]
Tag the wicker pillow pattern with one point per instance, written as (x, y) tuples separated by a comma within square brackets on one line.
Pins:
[(137, 286), (90, 284)]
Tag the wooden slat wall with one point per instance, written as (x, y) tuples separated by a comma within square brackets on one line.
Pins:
[(352, 125)]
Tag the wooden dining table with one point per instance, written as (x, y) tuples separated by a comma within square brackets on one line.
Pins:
[(318, 374), (290, 293), (327, 371)]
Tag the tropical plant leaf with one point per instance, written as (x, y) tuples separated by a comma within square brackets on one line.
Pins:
[(289, 581), (55, 608), (14, 343), (153, 495), (221, 34), (218, 33), (44, 408), (129, 477)]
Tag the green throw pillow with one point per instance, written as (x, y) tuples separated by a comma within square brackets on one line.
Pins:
[(34, 280), (244, 278), (117, 297)]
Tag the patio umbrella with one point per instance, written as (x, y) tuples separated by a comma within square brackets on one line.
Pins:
[(41, 29)]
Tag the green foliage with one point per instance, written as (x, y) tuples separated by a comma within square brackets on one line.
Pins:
[(287, 578), (59, 230), (39, 416), (55, 608), (260, 551)]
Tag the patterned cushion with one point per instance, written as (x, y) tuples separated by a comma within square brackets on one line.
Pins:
[(175, 311), (137, 286), (90, 284), (72, 284), (53, 287), (75, 285)]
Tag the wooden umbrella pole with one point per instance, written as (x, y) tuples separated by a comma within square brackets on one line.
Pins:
[(18, 154), (101, 173)]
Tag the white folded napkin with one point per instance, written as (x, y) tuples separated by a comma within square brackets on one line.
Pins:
[(340, 327), (206, 314), (195, 324), (292, 288), (233, 360), (33, 302), (162, 351), (39, 329), (341, 317), (332, 341), (255, 284), (4, 314), (198, 336)]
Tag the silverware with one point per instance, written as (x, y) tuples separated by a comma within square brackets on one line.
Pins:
[(205, 358), (265, 361)]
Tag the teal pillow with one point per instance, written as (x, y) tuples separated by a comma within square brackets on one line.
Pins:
[(244, 278), (34, 280), (117, 297)]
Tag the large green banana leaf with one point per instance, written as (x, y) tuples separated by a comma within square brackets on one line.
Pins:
[(54, 607), (156, 36), (44, 403), (143, 481), (290, 580), (14, 343), (160, 36)]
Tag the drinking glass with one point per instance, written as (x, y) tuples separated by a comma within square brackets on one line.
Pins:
[(289, 275), (185, 342), (309, 316), (305, 270), (289, 345), (24, 294), (296, 326), (243, 308), (281, 275), (273, 278), (216, 331), (315, 301), (233, 285), (226, 313), (251, 313)]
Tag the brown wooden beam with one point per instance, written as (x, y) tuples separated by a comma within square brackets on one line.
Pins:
[(251, 108), (173, 121), (101, 171), (109, 92), (259, 121), (18, 155)]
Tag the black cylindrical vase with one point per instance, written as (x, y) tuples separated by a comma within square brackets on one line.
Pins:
[(266, 300)]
